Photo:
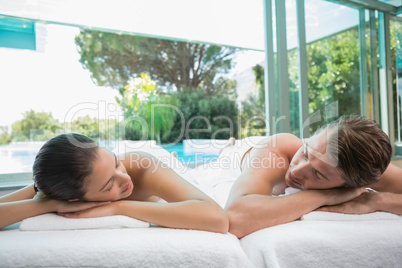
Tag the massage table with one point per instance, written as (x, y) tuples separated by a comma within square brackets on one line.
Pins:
[(365, 242), (318, 239), (327, 243), (120, 247)]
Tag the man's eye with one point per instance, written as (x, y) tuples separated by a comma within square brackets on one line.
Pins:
[(317, 175), (305, 152), (305, 155)]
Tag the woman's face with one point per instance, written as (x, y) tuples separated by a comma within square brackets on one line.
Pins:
[(312, 168), (109, 180)]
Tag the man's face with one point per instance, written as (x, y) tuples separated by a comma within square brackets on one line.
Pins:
[(312, 168)]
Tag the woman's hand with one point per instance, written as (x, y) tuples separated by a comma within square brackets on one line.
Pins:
[(76, 206), (62, 207), (86, 209)]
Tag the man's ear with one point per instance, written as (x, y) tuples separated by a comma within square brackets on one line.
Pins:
[(73, 200)]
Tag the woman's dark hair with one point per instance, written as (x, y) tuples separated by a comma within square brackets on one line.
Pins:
[(62, 164), (362, 149)]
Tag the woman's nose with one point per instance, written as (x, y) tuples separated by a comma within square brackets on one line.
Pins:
[(123, 177)]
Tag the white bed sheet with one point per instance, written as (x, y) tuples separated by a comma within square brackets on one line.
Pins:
[(141, 247), (376, 243)]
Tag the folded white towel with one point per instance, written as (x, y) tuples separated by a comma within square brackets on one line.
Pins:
[(51, 222), (332, 216)]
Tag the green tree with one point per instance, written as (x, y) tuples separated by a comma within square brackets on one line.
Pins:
[(113, 59), (199, 116), (253, 108), (5, 137), (148, 114), (333, 72), (95, 128), (85, 125), (333, 75), (35, 126)]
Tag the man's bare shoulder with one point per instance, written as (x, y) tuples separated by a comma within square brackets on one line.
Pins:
[(284, 144), (272, 155)]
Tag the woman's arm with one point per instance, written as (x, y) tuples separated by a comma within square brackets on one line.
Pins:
[(25, 193), (187, 207), (15, 211), (20, 205)]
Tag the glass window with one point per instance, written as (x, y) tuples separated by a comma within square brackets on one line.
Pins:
[(43, 85), (47, 91), (396, 58), (333, 59)]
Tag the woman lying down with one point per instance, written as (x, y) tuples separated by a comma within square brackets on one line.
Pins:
[(80, 179)]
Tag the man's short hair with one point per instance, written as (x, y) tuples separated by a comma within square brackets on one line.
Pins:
[(362, 149)]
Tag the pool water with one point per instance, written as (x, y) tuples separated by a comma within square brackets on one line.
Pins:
[(189, 158), (19, 158)]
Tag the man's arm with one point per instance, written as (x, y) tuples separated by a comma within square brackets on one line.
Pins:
[(252, 207), (390, 181), (388, 197), (389, 191)]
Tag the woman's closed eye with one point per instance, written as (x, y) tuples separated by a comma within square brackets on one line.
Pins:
[(111, 185)]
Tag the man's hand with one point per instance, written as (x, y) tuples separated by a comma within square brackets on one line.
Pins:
[(338, 196), (364, 203)]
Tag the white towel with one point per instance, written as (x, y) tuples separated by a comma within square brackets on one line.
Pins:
[(329, 244), (332, 216), (128, 247), (52, 222)]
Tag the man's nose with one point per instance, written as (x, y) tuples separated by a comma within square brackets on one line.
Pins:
[(300, 170)]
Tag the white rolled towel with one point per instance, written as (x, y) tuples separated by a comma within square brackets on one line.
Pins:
[(332, 216), (52, 222)]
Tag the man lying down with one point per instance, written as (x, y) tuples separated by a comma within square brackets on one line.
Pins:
[(333, 168)]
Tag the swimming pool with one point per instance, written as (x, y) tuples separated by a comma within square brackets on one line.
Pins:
[(19, 157), (189, 158)]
